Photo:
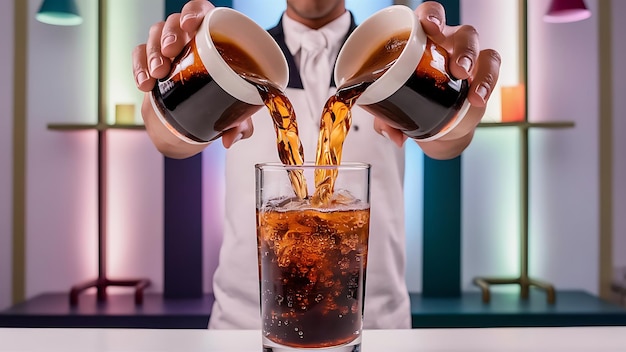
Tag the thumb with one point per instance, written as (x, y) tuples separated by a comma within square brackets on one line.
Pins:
[(393, 134), (233, 135)]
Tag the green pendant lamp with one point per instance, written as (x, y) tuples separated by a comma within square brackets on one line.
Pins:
[(59, 13)]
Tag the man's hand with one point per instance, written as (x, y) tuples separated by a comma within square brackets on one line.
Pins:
[(152, 61), (467, 61)]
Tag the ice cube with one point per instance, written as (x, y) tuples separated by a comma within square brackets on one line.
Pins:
[(344, 197)]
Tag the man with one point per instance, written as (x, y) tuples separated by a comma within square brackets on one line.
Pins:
[(236, 280)]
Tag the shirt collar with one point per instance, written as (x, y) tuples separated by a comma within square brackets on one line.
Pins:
[(335, 32)]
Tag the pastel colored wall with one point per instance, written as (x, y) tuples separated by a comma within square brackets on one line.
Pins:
[(6, 149), (60, 201), (564, 164), (61, 182), (564, 224), (490, 171), (135, 209), (619, 131)]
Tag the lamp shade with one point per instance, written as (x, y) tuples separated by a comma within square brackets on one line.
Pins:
[(562, 11), (59, 12)]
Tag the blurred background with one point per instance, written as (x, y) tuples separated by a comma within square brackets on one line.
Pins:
[(48, 178)]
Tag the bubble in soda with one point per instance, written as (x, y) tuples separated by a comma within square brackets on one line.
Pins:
[(313, 262)]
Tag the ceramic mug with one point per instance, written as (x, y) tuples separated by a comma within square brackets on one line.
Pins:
[(204, 95), (416, 94)]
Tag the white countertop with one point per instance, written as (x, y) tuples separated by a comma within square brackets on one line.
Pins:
[(570, 339)]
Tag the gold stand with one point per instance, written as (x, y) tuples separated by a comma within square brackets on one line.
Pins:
[(523, 280), (620, 290), (102, 281)]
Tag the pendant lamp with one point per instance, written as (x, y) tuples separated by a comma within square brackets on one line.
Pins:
[(59, 13), (563, 11)]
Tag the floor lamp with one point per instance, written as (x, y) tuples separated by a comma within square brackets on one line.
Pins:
[(102, 281), (523, 280)]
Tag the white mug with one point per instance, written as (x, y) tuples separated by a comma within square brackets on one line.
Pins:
[(203, 96), (416, 94)]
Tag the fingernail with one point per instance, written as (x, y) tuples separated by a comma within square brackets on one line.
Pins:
[(434, 20), (155, 63), (141, 77), (482, 91), (188, 17), (465, 62), (168, 40)]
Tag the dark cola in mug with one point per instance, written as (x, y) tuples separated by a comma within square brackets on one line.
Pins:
[(430, 93), (208, 89), (402, 77), (194, 104)]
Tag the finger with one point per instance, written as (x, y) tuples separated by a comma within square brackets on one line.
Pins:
[(173, 38), (164, 138), (158, 65), (432, 16), (485, 78), (143, 80), (393, 134), (242, 131), (193, 13), (446, 149), (464, 52), (467, 125)]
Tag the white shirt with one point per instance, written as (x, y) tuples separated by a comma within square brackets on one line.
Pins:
[(236, 282), (334, 33)]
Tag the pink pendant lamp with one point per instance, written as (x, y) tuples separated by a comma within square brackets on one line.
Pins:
[(562, 11)]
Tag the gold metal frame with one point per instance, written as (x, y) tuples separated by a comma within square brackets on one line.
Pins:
[(523, 280)]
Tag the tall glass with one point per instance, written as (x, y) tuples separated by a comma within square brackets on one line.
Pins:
[(312, 258)]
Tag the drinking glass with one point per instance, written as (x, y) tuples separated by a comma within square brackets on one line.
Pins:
[(312, 257)]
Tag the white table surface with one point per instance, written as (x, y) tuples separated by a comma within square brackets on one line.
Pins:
[(596, 339)]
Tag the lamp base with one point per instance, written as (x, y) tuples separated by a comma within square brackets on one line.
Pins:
[(101, 285), (523, 281)]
